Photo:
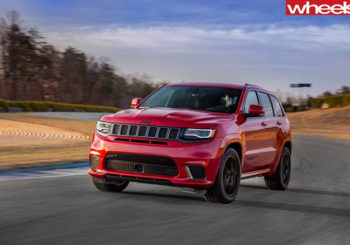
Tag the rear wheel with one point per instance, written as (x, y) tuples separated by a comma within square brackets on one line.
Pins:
[(117, 187), (228, 179), (280, 179)]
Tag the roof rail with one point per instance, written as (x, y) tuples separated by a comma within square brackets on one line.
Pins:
[(252, 85)]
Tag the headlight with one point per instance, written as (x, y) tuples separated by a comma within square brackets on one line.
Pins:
[(104, 128), (199, 133)]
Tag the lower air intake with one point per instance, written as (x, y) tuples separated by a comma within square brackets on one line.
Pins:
[(93, 161), (141, 164), (197, 172)]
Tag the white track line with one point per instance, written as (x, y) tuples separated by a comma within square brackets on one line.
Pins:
[(54, 173)]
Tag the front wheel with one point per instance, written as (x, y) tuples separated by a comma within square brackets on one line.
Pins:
[(280, 179), (118, 187), (228, 179)]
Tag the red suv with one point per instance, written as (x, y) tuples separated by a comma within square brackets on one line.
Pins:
[(199, 135)]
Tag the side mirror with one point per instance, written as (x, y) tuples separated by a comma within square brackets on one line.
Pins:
[(135, 102), (256, 111)]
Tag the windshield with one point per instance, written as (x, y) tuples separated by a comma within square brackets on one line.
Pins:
[(215, 99)]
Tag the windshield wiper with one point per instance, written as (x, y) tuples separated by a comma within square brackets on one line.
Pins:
[(147, 107)]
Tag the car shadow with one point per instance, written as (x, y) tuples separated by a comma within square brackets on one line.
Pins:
[(258, 204), (169, 196), (295, 208), (306, 191)]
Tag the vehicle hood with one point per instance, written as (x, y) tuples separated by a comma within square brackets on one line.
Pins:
[(167, 117)]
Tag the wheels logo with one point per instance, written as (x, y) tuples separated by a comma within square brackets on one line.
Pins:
[(317, 7)]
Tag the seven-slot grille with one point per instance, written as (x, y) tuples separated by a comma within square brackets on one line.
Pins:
[(144, 131)]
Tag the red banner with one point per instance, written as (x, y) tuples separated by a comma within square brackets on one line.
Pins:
[(317, 7)]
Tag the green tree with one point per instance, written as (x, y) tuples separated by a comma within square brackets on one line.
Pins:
[(73, 71), (32, 69)]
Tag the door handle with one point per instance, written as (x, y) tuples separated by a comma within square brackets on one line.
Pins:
[(263, 124), (279, 123)]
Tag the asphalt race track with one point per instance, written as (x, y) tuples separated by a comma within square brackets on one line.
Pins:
[(68, 210)]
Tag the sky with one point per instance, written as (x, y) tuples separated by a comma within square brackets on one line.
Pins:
[(250, 41)]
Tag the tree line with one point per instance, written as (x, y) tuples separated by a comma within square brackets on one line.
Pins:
[(33, 69)]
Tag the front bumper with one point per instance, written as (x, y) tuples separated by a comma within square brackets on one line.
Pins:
[(206, 155)]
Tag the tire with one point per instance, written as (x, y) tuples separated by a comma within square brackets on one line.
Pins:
[(228, 179), (280, 179), (100, 185)]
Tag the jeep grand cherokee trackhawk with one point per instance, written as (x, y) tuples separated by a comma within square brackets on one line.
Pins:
[(198, 135)]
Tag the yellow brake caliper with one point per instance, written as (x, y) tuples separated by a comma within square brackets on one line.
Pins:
[(232, 177)]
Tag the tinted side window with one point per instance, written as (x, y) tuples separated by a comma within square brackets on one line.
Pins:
[(266, 103), (276, 107), (252, 99)]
